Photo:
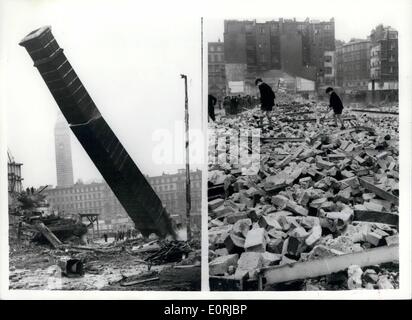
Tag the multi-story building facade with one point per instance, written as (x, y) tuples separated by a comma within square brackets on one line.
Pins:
[(352, 66), (97, 198), (216, 69), (321, 39), (64, 165), (329, 69), (171, 188), (295, 47), (384, 70)]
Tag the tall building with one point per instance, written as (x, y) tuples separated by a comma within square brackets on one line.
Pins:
[(99, 198), (321, 39), (352, 66), (216, 69), (64, 165), (295, 47), (384, 69)]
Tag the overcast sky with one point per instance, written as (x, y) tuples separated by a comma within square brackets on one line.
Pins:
[(353, 19), (129, 55), (129, 63)]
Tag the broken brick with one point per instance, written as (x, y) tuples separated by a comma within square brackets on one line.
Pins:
[(256, 240), (220, 265)]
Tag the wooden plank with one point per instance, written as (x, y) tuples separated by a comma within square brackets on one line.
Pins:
[(322, 267), (378, 191), (315, 119), (376, 111), (376, 216), (354, 129), (131, 283), (272, 139), (54, 241), (297, 113)]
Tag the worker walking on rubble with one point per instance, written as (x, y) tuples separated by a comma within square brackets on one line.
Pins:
[(211, 106), (267, 99), (335, 103)]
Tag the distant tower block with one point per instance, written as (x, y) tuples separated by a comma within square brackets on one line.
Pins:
[(101, 144), (64, 164)]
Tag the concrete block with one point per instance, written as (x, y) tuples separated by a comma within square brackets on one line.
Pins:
[(373, 238), (219, 266), (269, 222), (309, 222), (241, 274), (275, 245), (270, 259), (304, 198), (242, 227), (297, 209), (215, 203), (250, 261), (317, 203), (347, 174), (221, 252), (236, 216), (370, 276), (234, 243), (372, 206), (256, 240), (368, 196), (354, 277), (384, 283), (387, 205), (223, 211), (322, 164), (392, 240), (344, 195), (314, 236), (280, 201), (284, 223)]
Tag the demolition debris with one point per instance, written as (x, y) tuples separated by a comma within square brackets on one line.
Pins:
[(319, 209)]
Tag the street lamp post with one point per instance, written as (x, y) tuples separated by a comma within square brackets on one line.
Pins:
[(188, 198)]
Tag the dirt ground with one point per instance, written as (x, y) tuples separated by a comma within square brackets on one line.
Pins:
[(34, 267)]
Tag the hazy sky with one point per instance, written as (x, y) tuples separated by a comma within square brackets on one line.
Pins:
[(129, 63), (353, 19)]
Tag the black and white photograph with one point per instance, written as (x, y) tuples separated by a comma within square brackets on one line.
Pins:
[(303, 168), (220, 157), (102, 194)]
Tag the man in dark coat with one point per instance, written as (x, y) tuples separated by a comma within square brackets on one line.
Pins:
[(335, 103), (267, 99), (211, 106)]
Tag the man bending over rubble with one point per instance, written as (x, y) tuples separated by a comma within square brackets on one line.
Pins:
[(335, 103), (267, 99)]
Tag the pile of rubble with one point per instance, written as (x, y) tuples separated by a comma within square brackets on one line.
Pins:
[(123, 265), (320, 192)]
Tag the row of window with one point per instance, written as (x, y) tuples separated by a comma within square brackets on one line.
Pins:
[(213, 48), (76, 197), (160, 180), (77, 190), (89, 204), (215, 57)]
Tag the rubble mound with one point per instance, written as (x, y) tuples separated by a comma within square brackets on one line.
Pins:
[(315, 193)]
